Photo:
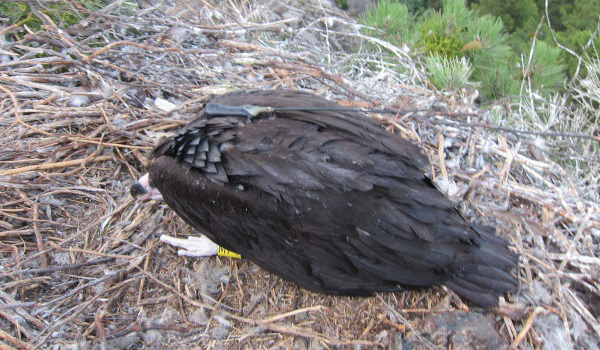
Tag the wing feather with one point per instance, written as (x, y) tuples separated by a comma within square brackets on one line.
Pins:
[(329, 200)]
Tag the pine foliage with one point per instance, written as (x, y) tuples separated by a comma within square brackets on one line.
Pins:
[(455, 32)]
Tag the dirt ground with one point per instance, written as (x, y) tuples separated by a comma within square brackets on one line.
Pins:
[(81, 107)]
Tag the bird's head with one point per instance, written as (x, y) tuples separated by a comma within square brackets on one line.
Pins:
[(143, 189)]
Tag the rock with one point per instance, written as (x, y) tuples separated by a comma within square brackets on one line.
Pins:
[(552, 330), (458, 330)]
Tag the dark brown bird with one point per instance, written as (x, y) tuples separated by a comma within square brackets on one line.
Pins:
[(323, 197)]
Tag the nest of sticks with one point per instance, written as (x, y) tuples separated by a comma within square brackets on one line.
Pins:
[(81, 264)]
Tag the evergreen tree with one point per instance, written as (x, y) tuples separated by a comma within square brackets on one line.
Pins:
[(515, 14)]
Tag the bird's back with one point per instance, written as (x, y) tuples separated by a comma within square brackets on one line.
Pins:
[(327, 199)]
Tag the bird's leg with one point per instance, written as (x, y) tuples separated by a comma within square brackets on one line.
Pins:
[(198, 246), (193, 246)]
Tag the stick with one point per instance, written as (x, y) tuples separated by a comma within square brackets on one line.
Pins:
[(47, 166), (9, 338), (38, 236), (526, 327)]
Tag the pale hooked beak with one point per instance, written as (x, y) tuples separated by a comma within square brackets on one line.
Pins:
[(143, 191)]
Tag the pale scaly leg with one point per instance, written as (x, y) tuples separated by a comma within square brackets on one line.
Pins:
[(194, 246)]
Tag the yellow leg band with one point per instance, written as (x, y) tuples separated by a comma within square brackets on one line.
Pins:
[(227, 253)]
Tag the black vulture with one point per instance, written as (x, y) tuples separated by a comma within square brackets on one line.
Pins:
[(323, 197)]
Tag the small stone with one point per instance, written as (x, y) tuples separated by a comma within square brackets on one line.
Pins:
[(220, 333)]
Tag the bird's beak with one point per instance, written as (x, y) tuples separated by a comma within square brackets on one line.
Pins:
[(137, 189), (143, 191)]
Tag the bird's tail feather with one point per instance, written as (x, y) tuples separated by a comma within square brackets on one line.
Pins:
[(492, 277)]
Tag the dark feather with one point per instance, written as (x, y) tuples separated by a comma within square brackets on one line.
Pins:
[(326, 199)]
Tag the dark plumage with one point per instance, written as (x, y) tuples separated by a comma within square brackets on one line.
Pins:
[(326, 199)]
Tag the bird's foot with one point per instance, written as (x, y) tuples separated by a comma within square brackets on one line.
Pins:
[(193, 246)]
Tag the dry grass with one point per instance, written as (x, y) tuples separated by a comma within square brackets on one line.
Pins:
[(81, 262)]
